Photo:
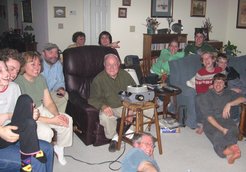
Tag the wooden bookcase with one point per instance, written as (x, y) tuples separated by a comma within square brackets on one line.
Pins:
[(154, 43)]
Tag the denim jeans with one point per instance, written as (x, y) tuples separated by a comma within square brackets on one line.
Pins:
[(10, 158)]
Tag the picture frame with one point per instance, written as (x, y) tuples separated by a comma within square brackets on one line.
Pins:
[(198, 8), (27, 11), (126, 2), (162, 8), (122, 13), (59, 12), (241, 14)]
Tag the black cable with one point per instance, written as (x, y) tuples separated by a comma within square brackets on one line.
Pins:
[(104, 162)]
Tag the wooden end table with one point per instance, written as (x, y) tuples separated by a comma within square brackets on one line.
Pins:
[(242, 122), (166, 94)]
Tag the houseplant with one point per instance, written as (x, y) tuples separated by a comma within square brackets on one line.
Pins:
[(151, 25), (231, 49)]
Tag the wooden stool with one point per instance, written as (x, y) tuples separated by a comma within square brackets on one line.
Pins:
[(138, 109)]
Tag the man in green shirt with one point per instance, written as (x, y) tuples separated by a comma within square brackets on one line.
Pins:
[(199, 45), (104, 95)]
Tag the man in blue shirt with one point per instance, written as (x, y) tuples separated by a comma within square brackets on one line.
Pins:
[(140, 158), (53, 73)]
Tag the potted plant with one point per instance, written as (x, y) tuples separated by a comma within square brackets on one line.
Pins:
[(231, 49)]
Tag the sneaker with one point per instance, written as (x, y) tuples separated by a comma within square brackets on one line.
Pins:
[(112, 146)]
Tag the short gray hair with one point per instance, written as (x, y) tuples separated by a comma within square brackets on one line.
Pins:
[(137, 138), (111, 55)]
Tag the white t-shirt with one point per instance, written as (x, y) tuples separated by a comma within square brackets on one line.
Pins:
[(8, 99)]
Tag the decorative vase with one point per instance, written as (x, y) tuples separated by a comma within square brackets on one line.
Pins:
[(150, 30)]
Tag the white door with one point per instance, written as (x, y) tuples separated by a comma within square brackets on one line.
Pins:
[(96, 19)]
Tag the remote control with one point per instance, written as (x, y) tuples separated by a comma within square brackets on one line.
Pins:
[(169, 88)]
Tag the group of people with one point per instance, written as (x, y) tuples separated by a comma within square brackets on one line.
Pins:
[(33, 101), (219, 92), (105, 39), (32, 90)]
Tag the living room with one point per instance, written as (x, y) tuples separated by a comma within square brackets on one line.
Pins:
[(222, 14), (185, 151)]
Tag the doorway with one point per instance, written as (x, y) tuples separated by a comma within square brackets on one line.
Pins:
[(96, 19)]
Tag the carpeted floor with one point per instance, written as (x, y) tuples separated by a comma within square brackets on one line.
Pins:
[(183, 152)]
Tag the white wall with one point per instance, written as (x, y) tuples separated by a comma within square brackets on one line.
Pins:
[(71, 24), (222, 14)]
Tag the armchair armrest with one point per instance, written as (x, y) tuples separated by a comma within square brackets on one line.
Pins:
[(242, 122)]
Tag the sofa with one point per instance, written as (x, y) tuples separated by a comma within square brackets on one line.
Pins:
[(80, 66), (184, 69)]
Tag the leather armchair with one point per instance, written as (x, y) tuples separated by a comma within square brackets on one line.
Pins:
[(80, 66)]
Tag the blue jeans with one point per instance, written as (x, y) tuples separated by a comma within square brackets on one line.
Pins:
[(10, 158)]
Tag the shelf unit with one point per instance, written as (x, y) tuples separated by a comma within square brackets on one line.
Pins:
[(154, 43)]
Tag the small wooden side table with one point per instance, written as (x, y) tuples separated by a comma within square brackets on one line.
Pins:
[(166, 94)]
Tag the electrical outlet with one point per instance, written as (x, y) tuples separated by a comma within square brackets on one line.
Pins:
[(132, 28)]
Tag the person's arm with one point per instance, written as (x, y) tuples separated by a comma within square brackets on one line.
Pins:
[(214, 123), (4, 117), (7, 134), (114, 44), (227, 108)]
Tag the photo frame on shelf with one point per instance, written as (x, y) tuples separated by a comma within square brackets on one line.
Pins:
[(126, 2), (241, 14), (162, 8), (122, 13), (198, 8), (59, 12), (27, 11)]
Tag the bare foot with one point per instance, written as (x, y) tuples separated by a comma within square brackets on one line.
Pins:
[(236, 154), (199, 130)]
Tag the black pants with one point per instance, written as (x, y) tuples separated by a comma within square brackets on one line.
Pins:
[(27, 126)]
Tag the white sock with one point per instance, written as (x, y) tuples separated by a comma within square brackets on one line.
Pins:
[(59, 151)]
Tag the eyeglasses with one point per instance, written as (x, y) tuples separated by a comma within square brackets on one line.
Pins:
[(148, 144)]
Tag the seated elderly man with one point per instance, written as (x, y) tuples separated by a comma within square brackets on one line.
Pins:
[(104, 96), (140, 158)]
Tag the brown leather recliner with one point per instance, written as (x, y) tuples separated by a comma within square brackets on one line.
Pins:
[(80, 66)]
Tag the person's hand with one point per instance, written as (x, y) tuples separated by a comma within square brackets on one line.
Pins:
[(115, 44), (60, 92), (237, 90), (107, 110), (226, 111), (60, 120), (224, 131), (8, 135), (36, 113), (211, 87)]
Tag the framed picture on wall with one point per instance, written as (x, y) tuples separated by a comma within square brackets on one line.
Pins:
[(241, 14), (198, 8), (60, 12), (162, 8), (27, 11), (122, 13), (126, 2)]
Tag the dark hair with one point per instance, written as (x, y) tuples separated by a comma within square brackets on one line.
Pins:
[(76, 35), (223, 56), (220, 76), (8, 53), (104, 33), (199, 30)]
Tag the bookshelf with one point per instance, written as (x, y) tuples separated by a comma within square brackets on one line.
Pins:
[(154, 43)]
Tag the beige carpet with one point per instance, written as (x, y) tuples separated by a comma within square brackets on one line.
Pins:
[(183, 152)]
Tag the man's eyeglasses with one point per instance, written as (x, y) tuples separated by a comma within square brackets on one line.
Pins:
[(148, 144)]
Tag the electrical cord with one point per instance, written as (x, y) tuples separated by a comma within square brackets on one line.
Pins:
[(104, 162)]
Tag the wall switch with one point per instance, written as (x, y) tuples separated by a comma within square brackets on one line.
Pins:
[(60, 25), (72, 12), (132, 28)]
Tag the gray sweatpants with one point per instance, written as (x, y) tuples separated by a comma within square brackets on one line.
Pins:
[(217, 138)]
